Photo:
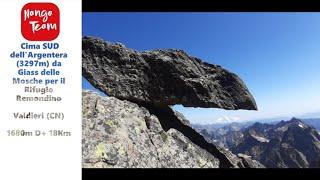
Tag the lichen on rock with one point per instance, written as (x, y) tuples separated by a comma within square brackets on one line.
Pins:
[(125, 147)]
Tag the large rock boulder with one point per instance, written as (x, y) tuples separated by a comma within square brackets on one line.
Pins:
[(164, 77)]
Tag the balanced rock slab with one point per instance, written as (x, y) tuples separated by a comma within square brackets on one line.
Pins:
[(164, 77)]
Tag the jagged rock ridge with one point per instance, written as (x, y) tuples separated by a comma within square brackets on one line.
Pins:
[(164, 77)]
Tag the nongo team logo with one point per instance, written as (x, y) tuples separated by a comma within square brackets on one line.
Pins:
[(40, 21)]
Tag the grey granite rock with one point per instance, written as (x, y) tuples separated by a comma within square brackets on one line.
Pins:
[(164, 77), (121, 134)]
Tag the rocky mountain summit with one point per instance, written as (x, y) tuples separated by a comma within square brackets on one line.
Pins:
[(287, 144), (134, 126)]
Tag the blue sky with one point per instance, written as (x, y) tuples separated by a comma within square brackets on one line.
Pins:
[(276, 54)]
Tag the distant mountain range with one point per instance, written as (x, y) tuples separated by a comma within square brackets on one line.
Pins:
[(315, 122), (282, 144)]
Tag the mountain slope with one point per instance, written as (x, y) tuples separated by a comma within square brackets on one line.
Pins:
[(291, 144), (286, 144)]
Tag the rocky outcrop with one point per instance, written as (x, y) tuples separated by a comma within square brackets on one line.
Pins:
[(163, 77), (119, 133), (137, 127)]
